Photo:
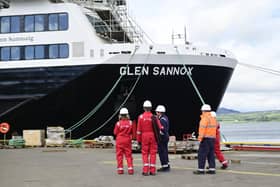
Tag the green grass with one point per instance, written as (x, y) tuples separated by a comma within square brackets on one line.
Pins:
[(250, 117)]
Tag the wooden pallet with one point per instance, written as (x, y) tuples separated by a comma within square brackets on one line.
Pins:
[(13, 147), (54, 145), (101, 145), (189, 157), (34, 146)]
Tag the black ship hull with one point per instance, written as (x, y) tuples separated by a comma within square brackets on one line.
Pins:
[(65, 101)]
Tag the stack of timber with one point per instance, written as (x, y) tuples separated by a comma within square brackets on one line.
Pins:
[(184, 146)]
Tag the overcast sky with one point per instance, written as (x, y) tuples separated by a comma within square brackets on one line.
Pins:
[(248, 28)]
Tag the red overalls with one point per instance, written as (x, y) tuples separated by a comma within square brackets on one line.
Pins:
[(123, 132), (145, 135), (218, 153)]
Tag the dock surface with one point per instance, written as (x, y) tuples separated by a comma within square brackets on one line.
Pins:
[(79, 167)]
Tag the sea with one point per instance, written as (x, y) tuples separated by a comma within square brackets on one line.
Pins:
[(251, 132)]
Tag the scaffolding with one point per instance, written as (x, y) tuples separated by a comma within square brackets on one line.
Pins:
[(111, 20)]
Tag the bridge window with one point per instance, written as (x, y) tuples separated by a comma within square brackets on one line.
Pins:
[(39, 22), (15, 24), (29, 23), (63, 21), (5, 24), (34, 23), (53, 22)]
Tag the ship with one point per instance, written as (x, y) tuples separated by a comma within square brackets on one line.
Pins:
[(75, 63)]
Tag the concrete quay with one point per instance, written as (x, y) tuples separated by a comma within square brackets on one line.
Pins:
[(80, 167)]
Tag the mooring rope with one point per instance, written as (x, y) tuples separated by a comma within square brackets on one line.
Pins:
[(260, 68), (94, 110), (121, 105), (190, 77)]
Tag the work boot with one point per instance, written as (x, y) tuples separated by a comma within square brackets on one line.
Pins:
[(164, 169), (224, 166), (120, 172), (130, 172), (211, 172), (197, 172), (145, 174)]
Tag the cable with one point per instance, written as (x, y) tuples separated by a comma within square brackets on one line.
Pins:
[(260, 68), (189, 76), (93, 111), (121, 105)]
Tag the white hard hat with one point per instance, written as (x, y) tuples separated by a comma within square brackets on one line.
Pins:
[(206, 107), (213, 114), (147, 103), (160, 108), (123, 111)]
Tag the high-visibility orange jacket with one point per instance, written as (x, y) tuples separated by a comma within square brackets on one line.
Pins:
[(207, 126)]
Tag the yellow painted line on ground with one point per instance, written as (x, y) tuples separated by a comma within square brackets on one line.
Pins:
[(219, 171), (252, 143)]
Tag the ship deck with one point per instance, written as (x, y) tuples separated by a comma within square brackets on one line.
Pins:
[(97, 167)]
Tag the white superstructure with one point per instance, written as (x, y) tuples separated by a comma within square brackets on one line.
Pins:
[(96, 31)]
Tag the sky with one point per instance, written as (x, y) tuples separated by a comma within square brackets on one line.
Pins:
[(250, 29)]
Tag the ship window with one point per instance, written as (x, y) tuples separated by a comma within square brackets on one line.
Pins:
[(29, 52), (15, 53), (125, 52), (39, 22), (53, 51), (39, 52), (5, 53), (5, 24), (101, 52), (32, 52), (63, 51), (34, 23), (63, 21), (92, 53), (29, 23), (53, 22), (15, 24)]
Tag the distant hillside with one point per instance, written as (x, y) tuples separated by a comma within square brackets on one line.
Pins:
[(260, 116), (226, 111)]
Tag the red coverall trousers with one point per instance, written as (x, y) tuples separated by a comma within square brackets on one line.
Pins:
[(149, 152), (123, 147), (218, 153)]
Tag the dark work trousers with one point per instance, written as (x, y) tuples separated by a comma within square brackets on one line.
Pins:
[(163, 153), (206, 151)]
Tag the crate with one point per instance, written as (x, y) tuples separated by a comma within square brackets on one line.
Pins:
[(34, 138)]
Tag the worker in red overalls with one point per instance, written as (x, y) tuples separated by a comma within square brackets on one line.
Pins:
[(146, 136), (123, 132), (218, 153)]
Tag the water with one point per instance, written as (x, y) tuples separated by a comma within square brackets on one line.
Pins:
[(251, 132)]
